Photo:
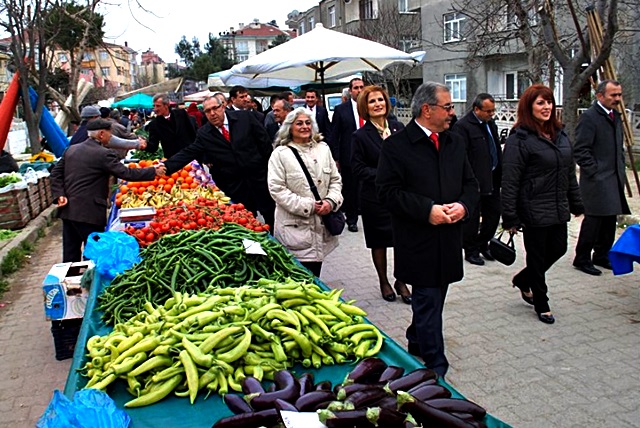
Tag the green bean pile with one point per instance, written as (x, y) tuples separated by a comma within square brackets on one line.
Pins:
[(193, 261)]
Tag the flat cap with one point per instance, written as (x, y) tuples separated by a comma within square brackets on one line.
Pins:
[(98, 124), (90, 111)]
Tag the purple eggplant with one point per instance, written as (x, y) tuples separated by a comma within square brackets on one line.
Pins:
[(342, 392), (282, 405), (310, 400), (427, 415), (366, 371), (251, 385), (391, 373), (367, 398), (322, 405), (458, 405), (346, 419), (429, 392), (386, 418), (250, 420), (323, 386), (306, 383), (388, 402), (410, 380), (287, 389), (421, 384), (236, 404)]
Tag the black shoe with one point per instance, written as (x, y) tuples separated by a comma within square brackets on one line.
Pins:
[(588, 268), (352, 228), (389, 297), (526, 298), (406, 298), (487, 255), (474, 259), (547, 319), (414, 349), (604, 263)]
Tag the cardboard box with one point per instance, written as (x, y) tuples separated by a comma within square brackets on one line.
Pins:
[(128, 215), (64, 298)]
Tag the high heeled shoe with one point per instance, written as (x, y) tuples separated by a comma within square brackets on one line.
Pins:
[(405, 298), (389, 297), (526, 298)]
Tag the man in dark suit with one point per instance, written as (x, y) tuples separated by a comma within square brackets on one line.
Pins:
[(480, 134), (599, 151), (239, 99), (424, 179), (281, 109), (312, 99), (79, 184), (345, 123), (173, 128), (236, 147)]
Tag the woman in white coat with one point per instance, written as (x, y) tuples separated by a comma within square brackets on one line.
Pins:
[(298, 216)]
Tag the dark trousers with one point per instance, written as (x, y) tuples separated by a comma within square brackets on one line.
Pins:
[(427, 305), (476, 235), (314, 267), (543, 246), (350, 195), (74, 236), (597, 233)]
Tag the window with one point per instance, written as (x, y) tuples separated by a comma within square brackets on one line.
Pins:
[(311, 23), (262, 45), (332, 16), (87, 71), (454, 26), (242, 47), (301, 28), (457, 84), (62, 57), (120, 71), (242, 57), (403, 6), (105, 71), (366, 9), (88, 56), (407, 44), (104, 55), (515, 83)]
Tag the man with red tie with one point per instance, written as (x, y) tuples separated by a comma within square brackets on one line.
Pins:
[(345, 122), (425, 180), (236, 147)]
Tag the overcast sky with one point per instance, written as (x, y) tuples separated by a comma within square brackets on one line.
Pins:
[(166, 21)]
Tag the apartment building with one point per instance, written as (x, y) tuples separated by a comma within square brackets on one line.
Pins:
[(252, 39)]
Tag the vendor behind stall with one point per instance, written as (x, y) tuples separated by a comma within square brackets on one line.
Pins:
[(79, 183)]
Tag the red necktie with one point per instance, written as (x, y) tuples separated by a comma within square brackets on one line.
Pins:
[(360, 122), (225, 134), (611, 115), (434, 138)]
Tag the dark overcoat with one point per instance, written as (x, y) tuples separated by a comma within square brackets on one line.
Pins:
[(599, 152), (413, 176), (342, 128), (476, 139), (239, 167), (82, 176), (173, 134)]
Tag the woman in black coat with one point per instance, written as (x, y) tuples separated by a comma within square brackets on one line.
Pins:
[(539, 192), (373, 107)]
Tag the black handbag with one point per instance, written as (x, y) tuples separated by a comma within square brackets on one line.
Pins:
[(335, 220), (504, 252)]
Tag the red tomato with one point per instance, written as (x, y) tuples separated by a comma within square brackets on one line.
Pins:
[(202, 222), (243, 220), (150, 237), (258, 229)]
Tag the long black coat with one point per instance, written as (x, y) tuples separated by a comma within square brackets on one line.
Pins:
[(476, 139), (342, 128), (599, 152), (82, 176), (412, 177), (539, 186), (239, 167), (324, 124), (173, 134)]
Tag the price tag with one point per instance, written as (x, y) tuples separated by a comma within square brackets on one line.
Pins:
[(301, 420), (252, 247)]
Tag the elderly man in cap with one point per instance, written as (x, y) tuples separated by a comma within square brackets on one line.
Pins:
[(87, 114), (80, 185)]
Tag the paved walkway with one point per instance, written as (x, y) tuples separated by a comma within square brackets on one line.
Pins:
[(582, 371)]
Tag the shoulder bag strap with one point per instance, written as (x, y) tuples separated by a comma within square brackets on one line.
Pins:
[(312, 185)]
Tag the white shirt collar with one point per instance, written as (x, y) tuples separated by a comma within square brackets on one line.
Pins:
[(604, 108), (426, 131)]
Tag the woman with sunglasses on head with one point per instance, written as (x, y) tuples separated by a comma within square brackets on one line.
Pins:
[(539, 192), (373, 107), (298, 217)]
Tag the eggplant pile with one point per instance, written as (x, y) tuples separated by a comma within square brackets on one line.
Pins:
[(373, 394)]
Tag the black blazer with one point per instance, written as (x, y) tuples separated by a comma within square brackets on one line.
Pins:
[(239, 167), (413, 176), (476, 139), (82, 176), (174, 134), (272, 130), (324, 124), (342, 129)]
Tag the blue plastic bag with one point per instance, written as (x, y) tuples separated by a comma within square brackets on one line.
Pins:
[(90, 408), (112, 252)]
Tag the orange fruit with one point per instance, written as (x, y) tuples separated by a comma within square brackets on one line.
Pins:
[(133, 165), (193, 185), (124, 189), (184, 186), (175, 175), (162, 182), (171, 181), (188, 180), (168, 187), (184, 174), (188, 167), (141, 190)]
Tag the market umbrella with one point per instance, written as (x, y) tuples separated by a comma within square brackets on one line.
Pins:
[(319, 55), (139, 100)]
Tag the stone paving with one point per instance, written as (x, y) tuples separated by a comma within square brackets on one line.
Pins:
[(582, 371)]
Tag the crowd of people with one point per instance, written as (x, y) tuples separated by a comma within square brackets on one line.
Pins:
[(434, 190)]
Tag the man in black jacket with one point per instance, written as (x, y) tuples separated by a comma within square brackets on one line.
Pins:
[(173, 128), (480, 134), (312, 99), (236, 147)]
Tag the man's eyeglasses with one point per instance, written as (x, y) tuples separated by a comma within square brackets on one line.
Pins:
[(212, 109), (491, 111), (446, 107)]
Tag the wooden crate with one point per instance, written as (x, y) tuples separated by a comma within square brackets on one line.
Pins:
[(33, 199), (14, 209)]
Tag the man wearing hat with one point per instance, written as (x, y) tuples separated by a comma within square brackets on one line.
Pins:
[(80, 185), (87, 114)]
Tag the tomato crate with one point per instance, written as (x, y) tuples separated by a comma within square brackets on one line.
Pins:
[(44, 189), (65, 335), (14, 209), (33, 199)]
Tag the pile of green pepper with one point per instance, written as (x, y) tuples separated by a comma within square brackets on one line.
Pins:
[(191, 262), (211, 342)]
